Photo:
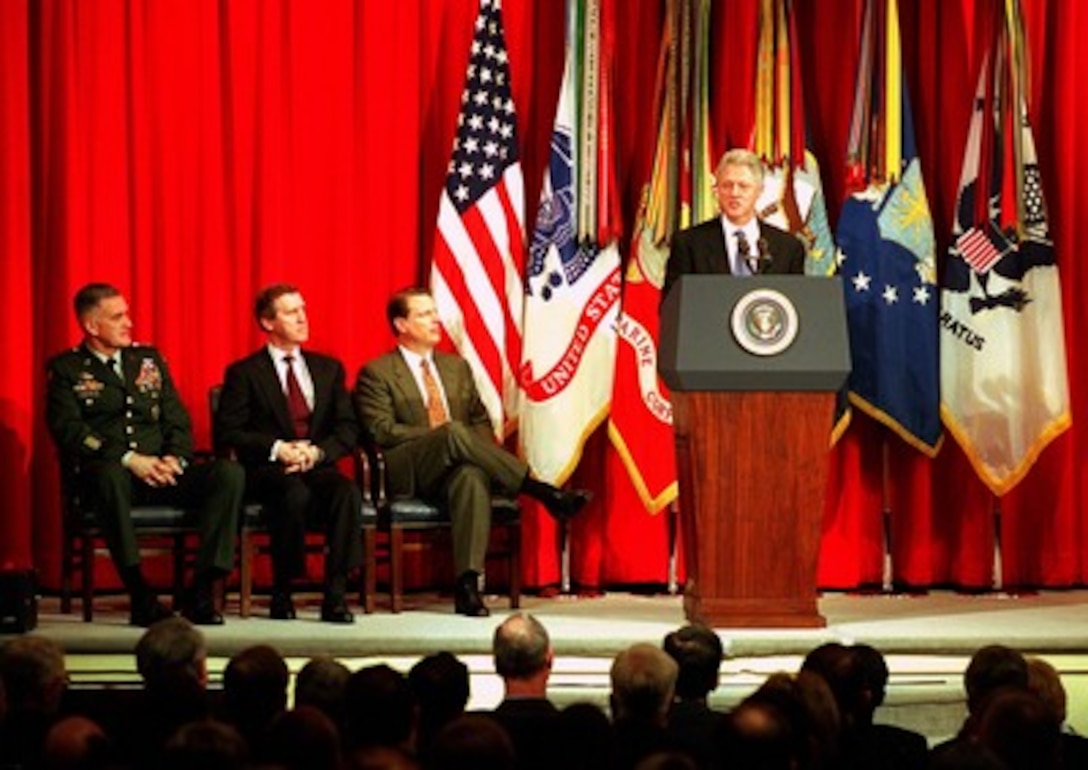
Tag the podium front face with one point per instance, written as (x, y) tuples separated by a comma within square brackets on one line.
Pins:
[(754, 365)]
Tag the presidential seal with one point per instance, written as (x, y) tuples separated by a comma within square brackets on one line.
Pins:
[(764, 322)]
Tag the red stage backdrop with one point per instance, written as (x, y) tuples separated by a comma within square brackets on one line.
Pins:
[(191, 151)]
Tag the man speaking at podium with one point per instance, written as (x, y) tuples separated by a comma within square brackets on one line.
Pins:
[(737, 242)]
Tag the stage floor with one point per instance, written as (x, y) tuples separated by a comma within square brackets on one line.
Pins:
[(927, 639)]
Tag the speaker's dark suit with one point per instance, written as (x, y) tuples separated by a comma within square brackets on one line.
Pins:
[(252, 415), (456, 464), (702, 249)]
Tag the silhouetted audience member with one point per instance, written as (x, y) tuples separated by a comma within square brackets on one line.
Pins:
[(1044, 681), (643, 684), (440, 684), (380, 710), (866, 743), (323, 684), (77, 743), (171, 657), (254, 692), (35, 679), (471, 742), (697, 650), (668, 760), (303, 739), (1020, 729), (380, 758), (585, 737), (759, 734), (523, 657), (990, 669), (206, 745), (965, 755)]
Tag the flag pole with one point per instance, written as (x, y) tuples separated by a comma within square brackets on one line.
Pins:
[(997, 579), (887, 580)]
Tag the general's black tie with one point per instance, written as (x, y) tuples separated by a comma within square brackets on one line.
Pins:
[(744, 253)]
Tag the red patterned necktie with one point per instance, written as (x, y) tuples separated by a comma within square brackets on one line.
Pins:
[(296, 402), (436, 407)]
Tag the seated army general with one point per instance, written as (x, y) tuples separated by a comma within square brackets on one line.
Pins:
[(114, 414)]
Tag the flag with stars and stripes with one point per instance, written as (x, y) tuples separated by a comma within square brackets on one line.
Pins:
[(1004, 387), (478, 265), (886, 248)]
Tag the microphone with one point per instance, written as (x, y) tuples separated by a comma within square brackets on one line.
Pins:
[(762, 259)]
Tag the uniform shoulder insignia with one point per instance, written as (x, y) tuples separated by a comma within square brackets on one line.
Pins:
[(93, 443)]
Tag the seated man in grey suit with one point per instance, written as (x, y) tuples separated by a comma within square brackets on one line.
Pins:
[(737, 242), (422, 408)]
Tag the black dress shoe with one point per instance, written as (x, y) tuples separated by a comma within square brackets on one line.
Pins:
[(336, 612), (281, 607), (467, 599), (202, 615), (148, 610), (564, 506)]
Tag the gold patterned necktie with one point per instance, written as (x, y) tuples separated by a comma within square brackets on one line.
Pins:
[(436, 407)]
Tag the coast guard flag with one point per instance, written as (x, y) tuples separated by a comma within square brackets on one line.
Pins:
[(573, 281), (476, 273), (886, 249), (1004, 392)]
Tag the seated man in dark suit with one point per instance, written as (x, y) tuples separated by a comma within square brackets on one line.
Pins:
[(697, 651), (113, 410), (287, 414), (423, 409), (737, 242)]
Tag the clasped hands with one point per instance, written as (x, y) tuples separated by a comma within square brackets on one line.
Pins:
[(156, 471), (298, 456)]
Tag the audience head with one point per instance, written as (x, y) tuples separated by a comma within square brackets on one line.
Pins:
[(522, 650), (1020, 729), (76, 743), (874, 675), (206, 745), (254, 688), (841, 669), (472, 742), (323, 683), (667, 760), (380, 758), (171, 654), (586, 736), (303, 739), (760, 735), (697, 650), (440, 684), (992, 668), (643, 683), (1044, 681), (380, 709), (34, 675)]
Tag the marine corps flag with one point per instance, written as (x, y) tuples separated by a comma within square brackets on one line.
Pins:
[(1004, 391), (886, 247)]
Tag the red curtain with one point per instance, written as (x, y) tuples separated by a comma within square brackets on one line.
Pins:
[(191, 151)]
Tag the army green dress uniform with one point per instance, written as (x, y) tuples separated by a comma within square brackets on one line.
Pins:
[(96, 415)]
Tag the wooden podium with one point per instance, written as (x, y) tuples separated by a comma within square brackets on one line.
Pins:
[(752, 412)]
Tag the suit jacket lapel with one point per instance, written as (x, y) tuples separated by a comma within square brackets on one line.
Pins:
[(717, 250), (268, 381), (405, 382), (450, 372), (320, 379)]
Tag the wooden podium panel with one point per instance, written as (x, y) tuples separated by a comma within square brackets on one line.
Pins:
[(752, 473)]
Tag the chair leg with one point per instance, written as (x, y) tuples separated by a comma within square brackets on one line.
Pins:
[(396, 567), (370, 569), (513, 533), (179, 571), (67, 560), (245, 573), (87, 578)]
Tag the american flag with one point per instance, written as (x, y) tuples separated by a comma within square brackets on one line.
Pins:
[(476, 273), (982, 247)]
